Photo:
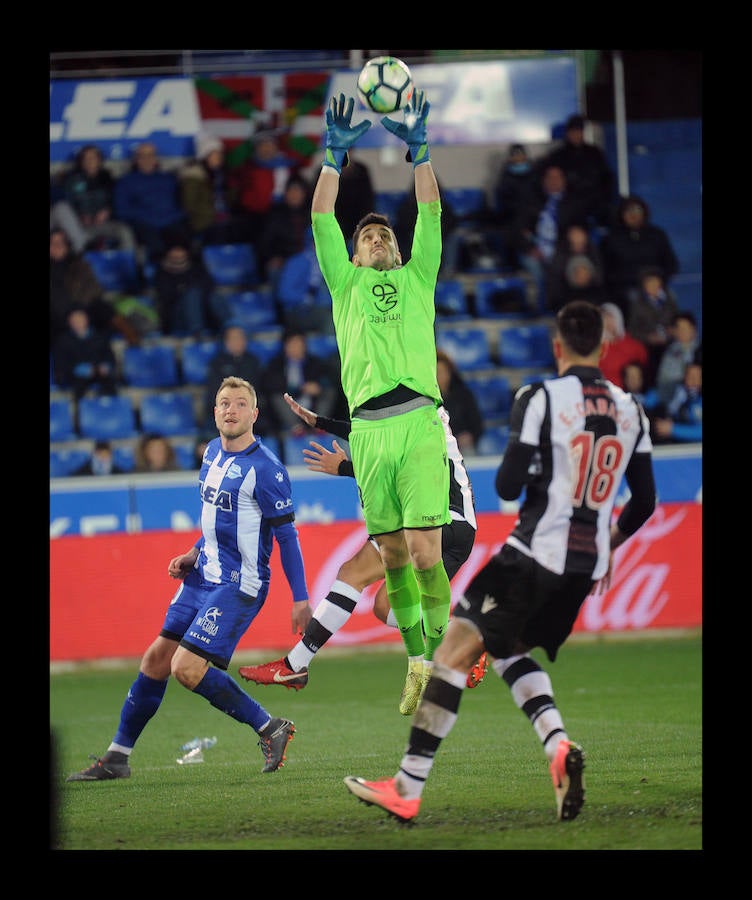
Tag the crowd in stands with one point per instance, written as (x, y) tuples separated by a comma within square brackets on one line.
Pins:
[(556, 221)]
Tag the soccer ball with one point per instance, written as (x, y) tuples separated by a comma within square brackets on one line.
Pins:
[(385, 84)]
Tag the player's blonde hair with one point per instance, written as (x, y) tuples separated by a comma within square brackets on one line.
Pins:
[(233, 381)]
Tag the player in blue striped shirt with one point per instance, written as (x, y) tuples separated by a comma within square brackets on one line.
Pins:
[(246, 502)]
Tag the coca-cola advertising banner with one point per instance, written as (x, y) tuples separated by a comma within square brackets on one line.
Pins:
[(108, 594)]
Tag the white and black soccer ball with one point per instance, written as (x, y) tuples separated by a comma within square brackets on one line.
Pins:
[(385, 84)]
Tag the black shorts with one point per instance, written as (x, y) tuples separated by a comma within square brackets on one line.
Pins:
[(457, 539), (517, 604)]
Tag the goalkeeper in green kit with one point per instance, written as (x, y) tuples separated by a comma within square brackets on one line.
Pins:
[(384, 323)]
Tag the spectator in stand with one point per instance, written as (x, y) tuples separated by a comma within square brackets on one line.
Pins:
[(101, 462), (575, 241), (85, 207), (581, 282), (287, 230), (451, 237), (683, 424), (209, 197), (588, 173), (634, 379), (679, 352), (300, 373), (74, 285), (261, 180), (619, 347), (148, 199), (631, 245), (465, 416), (652, 307), (83, 358), (233, 358), (540, 224), (302, 297), (515, 190), (155, 453), (187, 303), (356, 196)]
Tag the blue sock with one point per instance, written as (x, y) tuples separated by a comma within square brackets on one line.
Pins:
[(221, 691), (143, 700)]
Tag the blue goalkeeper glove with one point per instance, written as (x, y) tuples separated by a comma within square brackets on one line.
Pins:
[(340, 135), (413, 130)]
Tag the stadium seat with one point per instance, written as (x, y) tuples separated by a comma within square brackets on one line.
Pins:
[(323, 345), (253, 310), (231, 265), (116, 270), (185, 456), (493, 393), (451, 300), (468, 347), (265, 347), (292, 448), (124, 457), (106, 418), (194, 360), (540, 375), (61, 421), (150, 366), (500, 298), (64, 462), (466, 202), (387, 204), (525, 347), (167, 413), (493, 441)]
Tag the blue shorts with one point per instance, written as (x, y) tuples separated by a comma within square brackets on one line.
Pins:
[(210, 619)]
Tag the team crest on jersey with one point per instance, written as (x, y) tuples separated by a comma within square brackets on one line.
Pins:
[(234, 471)]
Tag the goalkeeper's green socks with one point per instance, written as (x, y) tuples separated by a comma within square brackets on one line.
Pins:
[(435, 601), (404, 598)]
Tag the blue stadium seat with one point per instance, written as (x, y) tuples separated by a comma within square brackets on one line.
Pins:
[(387, 204), (323, 345), (493, 393), (525, 346), (167, 413), (194, 360), (61, 421), (265, 347), (466, 202), (253, 310), (185, 457), (493, 441), (292, 448), (124, 457), (540, 375), (500, 298), (468, 347), (451, 300), (151, 366), (106, 418), (64, 462), (231, 265), (116, 270)]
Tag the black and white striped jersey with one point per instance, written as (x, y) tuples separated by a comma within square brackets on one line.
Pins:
[(572, 439)]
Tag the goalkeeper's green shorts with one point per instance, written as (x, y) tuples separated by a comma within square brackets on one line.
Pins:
[(402, 470)]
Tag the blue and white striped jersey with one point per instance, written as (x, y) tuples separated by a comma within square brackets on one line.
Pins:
[(244, 497)]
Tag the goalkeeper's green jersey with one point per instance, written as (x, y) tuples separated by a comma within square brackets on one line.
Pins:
[(384, 321)]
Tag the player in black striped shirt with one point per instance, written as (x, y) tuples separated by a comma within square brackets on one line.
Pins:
[(572, 439)]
